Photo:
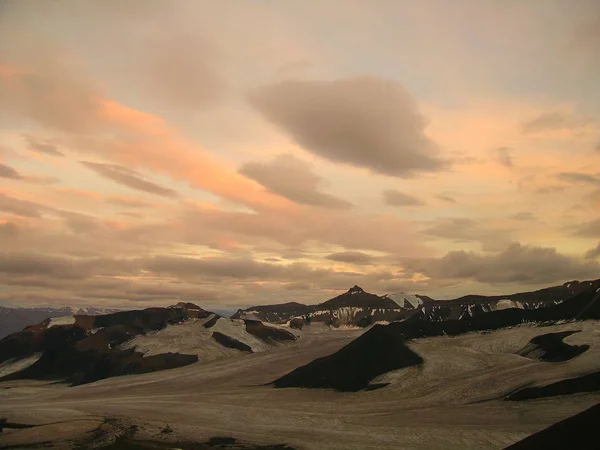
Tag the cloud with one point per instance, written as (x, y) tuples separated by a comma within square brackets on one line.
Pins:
[(524, 216), (351, 257), (396, 198), (593, 253), (589, 229), (445, 198), (42, 147), (502, 157), (516, 264), (576, 177), (129, 178), (553, 120), (548, 120), (20, 264), (128, 202), (182, 70), (23, 208), (293, 179), (8, 230), (46, 92), (550, 189), (9, 172), (459, 229), (364, 122)]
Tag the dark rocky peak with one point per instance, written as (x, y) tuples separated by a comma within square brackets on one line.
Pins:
[(186, 305), (356, 290), (357, 297)]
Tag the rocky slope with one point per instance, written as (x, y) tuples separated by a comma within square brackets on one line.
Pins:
[(89, 348), (15, 319)]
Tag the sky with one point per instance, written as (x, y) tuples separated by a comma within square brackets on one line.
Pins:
[(243, 152)]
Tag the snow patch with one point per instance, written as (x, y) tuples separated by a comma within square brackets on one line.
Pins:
[(13, 365)]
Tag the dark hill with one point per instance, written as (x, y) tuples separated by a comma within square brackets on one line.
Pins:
[(376, 352), (551, 348), (578, 432), (358, 298), (88, 351)]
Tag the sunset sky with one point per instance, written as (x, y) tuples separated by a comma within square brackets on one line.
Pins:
[(241, 152)]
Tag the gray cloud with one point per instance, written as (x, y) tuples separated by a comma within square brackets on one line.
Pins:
[(502, 157), (445, 198), (19, 264), (516, 264), (549, 120), (42, 147), (8, 230), (293, 179), (458, 229), (589, 229), (50, 92), (365, 122), (352, 257), (524, 216), (182, 70), (23, 208), (297, 286), (593, 253), (9, 172), (396, 198), (129, 178), (576, 177), (550, 189)]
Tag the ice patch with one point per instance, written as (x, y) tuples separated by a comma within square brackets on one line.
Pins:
[(64, 320)]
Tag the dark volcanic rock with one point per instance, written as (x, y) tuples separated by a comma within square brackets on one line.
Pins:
[(297, 323), (550, 347), (578, 432), (585, 383), (229, 342), (376, 352), (267, 333)]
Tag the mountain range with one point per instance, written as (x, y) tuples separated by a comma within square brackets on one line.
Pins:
[(358, 361), (359, 308)]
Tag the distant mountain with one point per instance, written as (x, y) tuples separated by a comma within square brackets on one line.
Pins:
[(352, 308), (15, 319), (359, 308), (84, 348)]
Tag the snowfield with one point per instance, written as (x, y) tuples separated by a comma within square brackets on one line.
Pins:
[(192, 338)]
